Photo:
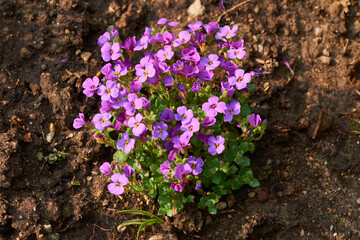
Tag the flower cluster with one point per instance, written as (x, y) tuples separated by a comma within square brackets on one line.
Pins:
[(179, 114)]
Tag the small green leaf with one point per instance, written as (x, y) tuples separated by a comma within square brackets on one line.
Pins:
[(190, 198), (254, 183), (212, 210), (120, 156), (216, 178), (243, 161)]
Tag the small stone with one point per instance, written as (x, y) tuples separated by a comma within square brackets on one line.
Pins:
[(318, 31), (258, 189), (285, 175), (260, 48), (251, 194), (302, 233), (48, 228), (262, 196), (221, 205), (164, 237), (196, 9), (290, 190), (325, 60), (50, 136), (25, 53), (230, 200), (43, 67), (358, 201), (32, 116), (326, 52), (256, 9), (85, 56)]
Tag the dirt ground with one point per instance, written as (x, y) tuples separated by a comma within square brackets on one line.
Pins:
[(308, 162)]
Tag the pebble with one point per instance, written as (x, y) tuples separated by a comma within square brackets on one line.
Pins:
[(50, 136), (325, 60), (221, 205), (358, 201), (43, 67), (85, 56), (318, 31), (302, 233), (262, 196), (32, 116), (285, 175), (25, 53), (290, 190), (164, 237), (48, 228), (260, 48), (326, 52), (230, 200), (196, 9), (251, 194)]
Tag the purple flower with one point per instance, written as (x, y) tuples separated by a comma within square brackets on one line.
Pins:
[(225, 86), (105, 168), (231, 109), (221, 5), (184, 115), (211, 27), (142, 44), (216, 145), (160, 131), (241, 79), (230, 67), (63, 60), (195, 26), (115, 32), (212, 107), (206, 76), (133, 103), (203, 137), (192, 126), (181, 170), (165, 168), (118, 183), (128, 171), (178, 186), (80, 121), (196, 87), (167, 115), (209, 121), (226, 32), (109, 52), (197, 186), (105, 38), (182, 141), (210, 63), (190, 54), (177, 67), (107, 71), (165, 21), (165, 54), (101, 121), (127, 143), (119, 71), (190, 71), (172, 154), (195, 165), (138, 128), (135, 86), (168, 81), (255, 120), (145, 73), (236, 53), (91, 86), (184, 37), (110, 90), (129, 44), (145, 103)]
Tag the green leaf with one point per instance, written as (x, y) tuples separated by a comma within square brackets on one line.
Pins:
[(169, 212), (202, 203), (162, 211), (146, 223), (245, 111), (244, 146), (216, 178), (243, 161), (233, 169), (212, 210), (190, 198), (120, 156), (139, 212), (254, 183), (132, 222)]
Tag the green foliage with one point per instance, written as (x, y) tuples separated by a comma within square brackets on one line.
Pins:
[(54, 157)]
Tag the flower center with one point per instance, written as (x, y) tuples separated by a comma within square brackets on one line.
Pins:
[(213, 106), (108, 91), (183, 116), (160, 131), (240, 79), (166, 54), (126, 142), (93, 87), (137, 124), (103, 120), (117, 74), (232, 111), (184, 41), (146, 73), (216, 145), (193, 166), (133, 104), (211, 63), (111, 52), (118, 100), (191, 128), (118, 184)]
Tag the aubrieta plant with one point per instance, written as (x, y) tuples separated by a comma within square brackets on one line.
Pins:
[(180, 119)]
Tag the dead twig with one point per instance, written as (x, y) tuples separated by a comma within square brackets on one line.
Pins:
[(318, 125), (231, 9)]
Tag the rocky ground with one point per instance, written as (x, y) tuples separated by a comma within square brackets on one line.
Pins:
[(308, 162)]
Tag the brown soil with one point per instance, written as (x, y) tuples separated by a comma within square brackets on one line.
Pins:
[(308, 162)]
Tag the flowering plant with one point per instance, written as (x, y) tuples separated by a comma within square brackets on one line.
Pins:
[(180, 119)]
